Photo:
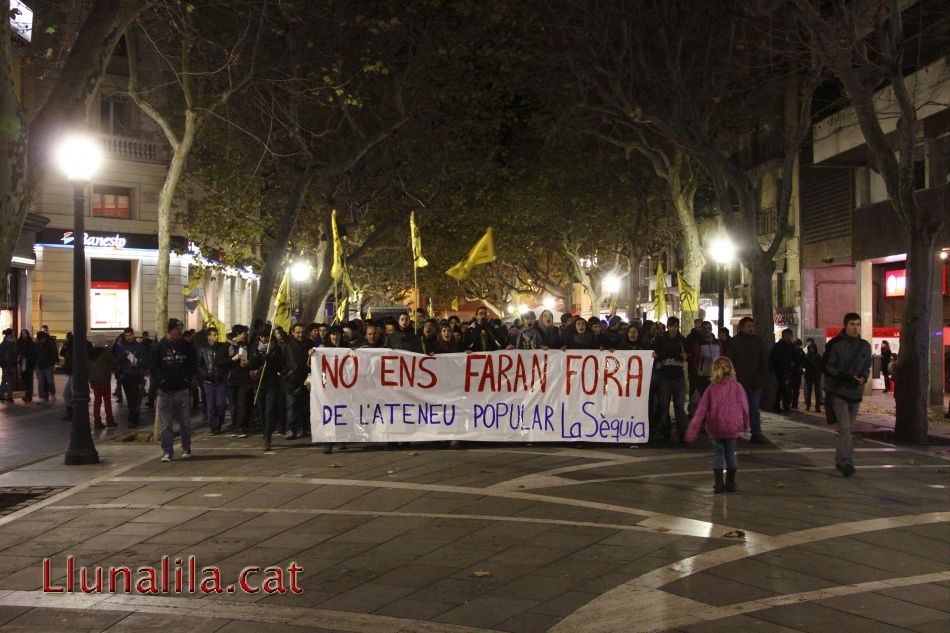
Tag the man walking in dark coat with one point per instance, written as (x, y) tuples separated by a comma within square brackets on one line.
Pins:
[(749, 357)]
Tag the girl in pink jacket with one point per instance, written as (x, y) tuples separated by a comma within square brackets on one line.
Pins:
[(725, 408)]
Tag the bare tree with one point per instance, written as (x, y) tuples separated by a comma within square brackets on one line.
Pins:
[(28, 137), (864, 44)]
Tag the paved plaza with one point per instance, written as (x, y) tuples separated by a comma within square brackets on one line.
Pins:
[(515, 538)]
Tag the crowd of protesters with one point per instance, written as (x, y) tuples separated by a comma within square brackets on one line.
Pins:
[(257, 377)]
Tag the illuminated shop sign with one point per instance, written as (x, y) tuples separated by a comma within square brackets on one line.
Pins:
[(895, 283), (105, 241)]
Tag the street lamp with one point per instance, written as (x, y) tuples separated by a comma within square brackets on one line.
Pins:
[(79, 157), (549, 303), (300, 272), (723, 252), (611, 284)]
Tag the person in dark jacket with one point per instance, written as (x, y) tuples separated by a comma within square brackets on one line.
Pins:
[(173, 363), (266, 362), (704, 350), (101, 367), (886, 356), (296, 351), (748, 355), (7, 365), (529, 335), (131, 367), (334, 339), (239, 381), (579, 336), (404, 337), (430, 336), (812, 375), (25, 363), (633, 339), (848, 367), (372, 338), (481, 337), (118, 377), (44, 360), (782, 363), (212, 371), (610, 336), (799, 367), (672, 356)]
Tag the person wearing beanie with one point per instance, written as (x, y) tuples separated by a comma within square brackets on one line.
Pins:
[(173, 361), (239, 380)]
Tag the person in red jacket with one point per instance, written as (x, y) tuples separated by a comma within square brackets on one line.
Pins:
[(725, 409)]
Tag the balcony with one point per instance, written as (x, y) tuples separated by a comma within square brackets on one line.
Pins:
[(129, 148)]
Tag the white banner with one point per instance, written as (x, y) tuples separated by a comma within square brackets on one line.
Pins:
[(383, 395)]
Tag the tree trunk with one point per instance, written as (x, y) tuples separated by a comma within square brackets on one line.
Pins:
[(633, 288), (761, 268), (274, 265), (912, 376), (695, 260), (166, 201), (13, 158), (322, 285)]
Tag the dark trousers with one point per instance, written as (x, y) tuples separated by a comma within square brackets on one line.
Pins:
[(783, 392), (26, 379), (216, 403), (298, 409), (7, 382), (239, 397), (132, 386), (810, 386), (268, 411), (795, 388), (887, 380), (674, 388)]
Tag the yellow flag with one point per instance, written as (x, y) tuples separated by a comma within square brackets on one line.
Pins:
[(195, 275), (210, 319), (689, 298), (282, 304), (341, 311), (417, 259), (482, 253), (430, 309), (336, 271), (369, 314), (455, 304), (660, 303)]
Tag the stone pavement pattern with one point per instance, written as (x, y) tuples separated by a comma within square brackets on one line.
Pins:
[(573, 539)]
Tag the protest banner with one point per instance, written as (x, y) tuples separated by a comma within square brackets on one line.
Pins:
[(383, 395)]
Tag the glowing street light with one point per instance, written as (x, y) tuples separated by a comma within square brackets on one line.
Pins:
[(611, 284), (300, 272), (548, 303), (522, 308), (723, 252), (78, 157)]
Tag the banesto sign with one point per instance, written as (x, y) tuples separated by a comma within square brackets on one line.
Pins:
[(105, 241)]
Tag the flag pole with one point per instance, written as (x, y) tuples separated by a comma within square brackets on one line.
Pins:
[(415, 283)]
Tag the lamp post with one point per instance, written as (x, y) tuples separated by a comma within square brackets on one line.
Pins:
[(79, 157), (722, 251)]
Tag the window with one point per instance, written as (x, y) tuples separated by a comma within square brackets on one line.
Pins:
[(111, 202), (115, 116)]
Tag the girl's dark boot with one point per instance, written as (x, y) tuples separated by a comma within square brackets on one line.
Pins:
[(718, 486), (730, 480)]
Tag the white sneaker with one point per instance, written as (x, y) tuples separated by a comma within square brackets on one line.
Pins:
[(166, 457), (242, 435), (186, 455)]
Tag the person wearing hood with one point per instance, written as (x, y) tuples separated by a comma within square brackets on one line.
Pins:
[(239, 380), (552, 334), (611, 335)]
